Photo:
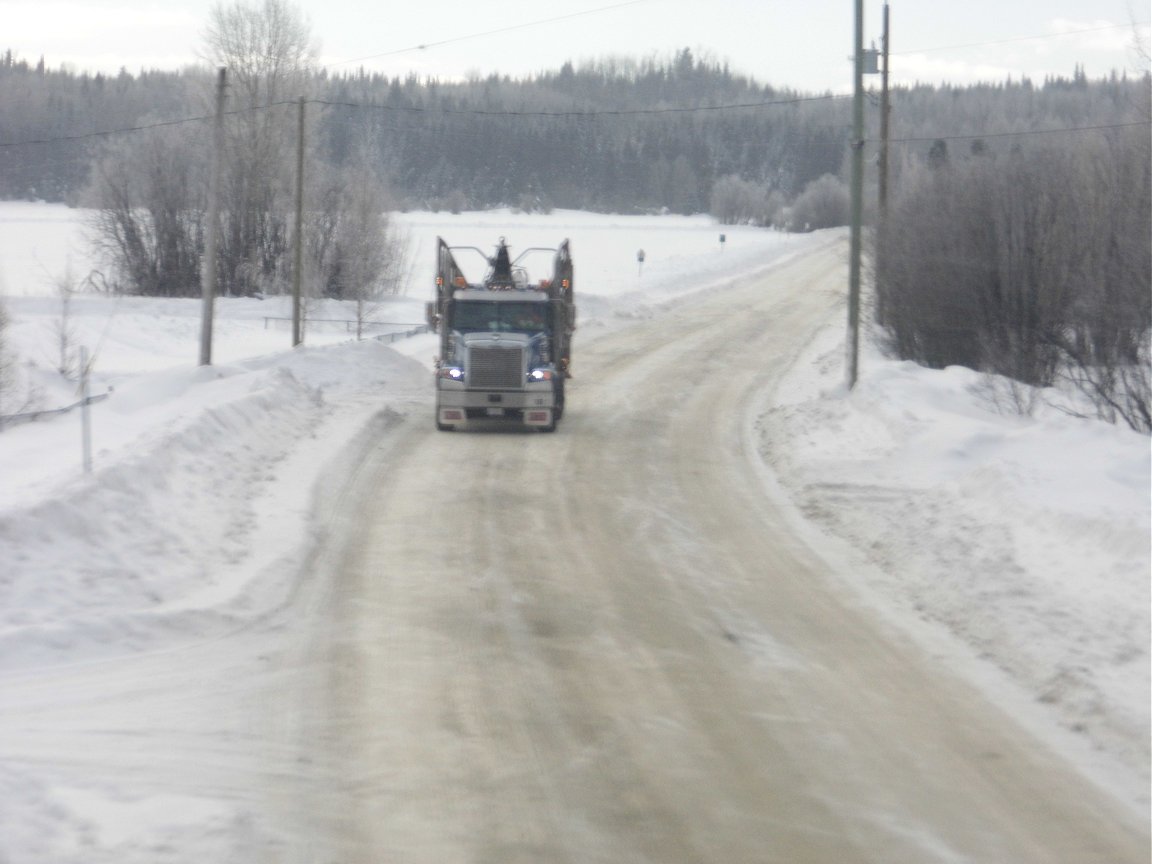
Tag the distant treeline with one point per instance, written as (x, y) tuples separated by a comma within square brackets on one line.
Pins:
[(615, 135)]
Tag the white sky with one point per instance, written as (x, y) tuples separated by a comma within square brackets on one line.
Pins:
[(804, 44)]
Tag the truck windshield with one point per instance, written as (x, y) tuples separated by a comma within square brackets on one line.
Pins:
[(474, 315)]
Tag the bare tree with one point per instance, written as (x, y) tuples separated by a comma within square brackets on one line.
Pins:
[(1032, 264), (150, 189), (67, 355), (822, 204), (148, 192), (736, 201), (972, 267), (7, 366), (1105, 352), (267, 47), (357, 252), (16, 394), (269, 52)]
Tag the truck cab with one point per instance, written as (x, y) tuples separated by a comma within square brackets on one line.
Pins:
[(505, 342)]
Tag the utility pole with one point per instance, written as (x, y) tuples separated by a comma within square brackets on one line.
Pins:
[(208, 268), (856, 199), (885, 108), (882, 176), (298, 240)]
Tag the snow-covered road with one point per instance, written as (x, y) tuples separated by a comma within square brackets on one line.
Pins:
[(607, 645)]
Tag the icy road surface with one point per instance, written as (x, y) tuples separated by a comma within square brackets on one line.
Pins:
[(605, 645), (602, 645)]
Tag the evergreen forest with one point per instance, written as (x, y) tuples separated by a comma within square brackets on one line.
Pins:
[(617, 135)]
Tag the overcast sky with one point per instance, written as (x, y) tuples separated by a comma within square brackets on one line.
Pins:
[(803, 44)]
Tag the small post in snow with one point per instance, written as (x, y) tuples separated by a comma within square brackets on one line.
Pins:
[(85, 417), (640, 262), (723, 240)]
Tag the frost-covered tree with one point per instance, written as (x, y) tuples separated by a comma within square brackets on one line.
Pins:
[(268, 51), (352, 243), (1032, 264), (148, 193), (822, 204), (7, 365), (149, 189), (15, 394), (736, 201), (64, 329)]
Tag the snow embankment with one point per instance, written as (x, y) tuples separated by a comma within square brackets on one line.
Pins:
[(1027, 538), (200, 503)]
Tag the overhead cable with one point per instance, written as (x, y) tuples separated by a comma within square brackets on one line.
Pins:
[(509, 28)]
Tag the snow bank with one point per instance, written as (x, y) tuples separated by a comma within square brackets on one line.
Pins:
[(192, 500), (1025, 538)]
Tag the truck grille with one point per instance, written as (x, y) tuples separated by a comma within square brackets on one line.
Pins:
[(496, 368)]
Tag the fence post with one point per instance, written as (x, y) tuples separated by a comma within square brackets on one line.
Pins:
[(85, 417)]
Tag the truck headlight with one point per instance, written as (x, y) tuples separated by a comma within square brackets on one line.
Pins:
[(540, 375), (455, 373)]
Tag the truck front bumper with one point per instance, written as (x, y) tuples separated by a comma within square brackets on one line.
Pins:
[(534, 406)]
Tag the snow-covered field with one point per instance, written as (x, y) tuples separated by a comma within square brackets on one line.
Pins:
[(1024, 540)]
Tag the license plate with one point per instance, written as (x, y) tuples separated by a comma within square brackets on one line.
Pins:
[(495, 412)]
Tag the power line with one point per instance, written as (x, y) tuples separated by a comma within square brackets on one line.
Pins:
[(107, 133), (508, 29), (983, 135), (104, 133)]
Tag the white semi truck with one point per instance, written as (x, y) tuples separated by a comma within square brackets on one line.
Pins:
[(505, 341)]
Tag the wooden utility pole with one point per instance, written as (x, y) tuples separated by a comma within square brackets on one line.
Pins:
[(853, 350), (298, 240), (882, 178), (208, 266)]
